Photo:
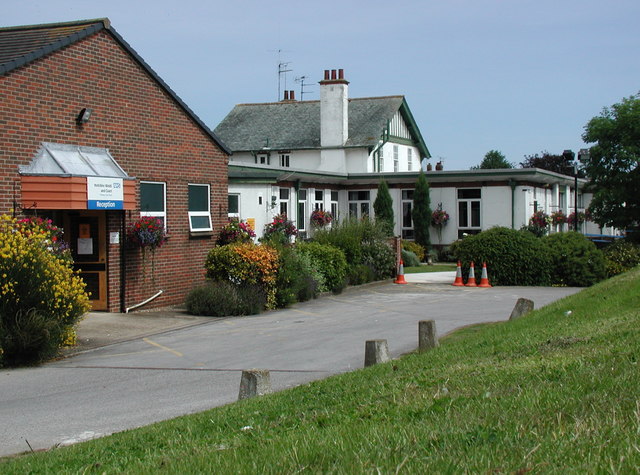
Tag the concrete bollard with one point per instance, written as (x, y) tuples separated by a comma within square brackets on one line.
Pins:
[(522, 307), (427, 338), (375, 351), (254, 382)]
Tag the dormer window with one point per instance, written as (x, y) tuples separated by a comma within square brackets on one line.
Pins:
[(263, 159), (284, 160)]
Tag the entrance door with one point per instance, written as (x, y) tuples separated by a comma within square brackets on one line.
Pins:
[(87, 240)]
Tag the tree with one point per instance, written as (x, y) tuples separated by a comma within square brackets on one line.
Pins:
[(547, 161), (612, 164), (421, 212), (383, 208), (492, 160)]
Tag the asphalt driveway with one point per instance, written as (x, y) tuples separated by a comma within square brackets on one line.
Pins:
[(188, 364)]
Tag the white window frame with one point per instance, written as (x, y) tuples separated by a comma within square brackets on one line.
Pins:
[(358, 203), (334, 204), (302, 220), (263, 159), (157, 214), (396, 158), (409, 160), (285, 160), (407, 231), (318, 203), (470, 228), (199, 214), (284, 201), (230, 214)]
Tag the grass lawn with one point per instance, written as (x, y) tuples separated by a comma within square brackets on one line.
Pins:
[(434, 268), (557, 391)]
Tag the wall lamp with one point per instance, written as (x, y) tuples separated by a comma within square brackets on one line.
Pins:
[(84, 116)]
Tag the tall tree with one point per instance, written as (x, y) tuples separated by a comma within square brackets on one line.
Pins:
[(421, 212), (612, 164), (383, 208), (493, 159)]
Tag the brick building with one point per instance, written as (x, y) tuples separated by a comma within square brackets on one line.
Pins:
[(81, 113)]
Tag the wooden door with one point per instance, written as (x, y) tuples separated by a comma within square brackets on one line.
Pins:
[(86, 234)]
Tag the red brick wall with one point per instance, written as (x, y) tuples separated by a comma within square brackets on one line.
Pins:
[(147, 133)]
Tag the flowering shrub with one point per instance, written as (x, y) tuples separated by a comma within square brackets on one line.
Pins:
[(50, 234), (235, 231), (582, 217), (41, 297), (146, 232), (558, 218), (320, 218), (280, 229), (245, 264)]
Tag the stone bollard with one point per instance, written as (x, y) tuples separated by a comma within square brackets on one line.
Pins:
[(523, 306), (254, 382), (375, 351), (427, 338)]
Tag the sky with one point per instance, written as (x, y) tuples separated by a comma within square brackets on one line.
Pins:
[(518, 76)]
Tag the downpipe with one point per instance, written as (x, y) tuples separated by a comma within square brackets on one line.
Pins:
[(145, 301)]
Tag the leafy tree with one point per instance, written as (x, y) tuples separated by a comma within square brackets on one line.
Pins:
[(493, 159), (612, 164), (421, 212), (547, 161), (383, 208)]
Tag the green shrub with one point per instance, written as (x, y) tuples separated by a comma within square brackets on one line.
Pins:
[(329, 261), (41, 297), (621, 256), (349, 234), (575, 261), (416, 248), (222, 299), (512, 257), (381, 257), (410, 259), (296, 280), (245, 264), (360, 274)]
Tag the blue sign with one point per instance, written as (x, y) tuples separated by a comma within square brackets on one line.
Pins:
[(104, 204)]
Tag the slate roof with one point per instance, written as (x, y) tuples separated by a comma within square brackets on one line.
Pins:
[(296, 125), (21, 45)]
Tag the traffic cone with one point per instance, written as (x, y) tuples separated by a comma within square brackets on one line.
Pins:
[(400, 276), (458, 282), (484, 279), (471, 281)]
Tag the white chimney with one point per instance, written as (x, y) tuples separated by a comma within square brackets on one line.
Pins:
[(334, 109)]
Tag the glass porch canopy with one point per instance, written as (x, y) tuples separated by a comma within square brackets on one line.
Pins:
[(63, 176)]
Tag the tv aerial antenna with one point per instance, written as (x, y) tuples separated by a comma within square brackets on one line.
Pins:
[(283, 69), (303, 84)]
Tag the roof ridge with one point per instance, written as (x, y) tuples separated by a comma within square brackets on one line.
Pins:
[(105, 21), (279, 103)]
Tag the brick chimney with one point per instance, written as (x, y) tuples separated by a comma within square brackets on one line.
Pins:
[(334, 109)]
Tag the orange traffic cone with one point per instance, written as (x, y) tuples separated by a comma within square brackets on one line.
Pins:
[(458, 282), (400, 276), (471, 281), (484, 278)]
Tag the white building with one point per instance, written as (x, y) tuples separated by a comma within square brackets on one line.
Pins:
[(296, 156)]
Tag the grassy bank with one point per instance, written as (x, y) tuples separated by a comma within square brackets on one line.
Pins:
[(554, 392), (434, 268)]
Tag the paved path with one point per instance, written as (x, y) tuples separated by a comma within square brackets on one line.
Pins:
[(164, 375)]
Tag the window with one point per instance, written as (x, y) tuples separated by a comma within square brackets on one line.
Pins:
[(284, 201), (409, 159), (334, 204), (284, 160), (199, 208), (263, 159), (153, 200), (396, 159), (359, 204), (319, 200), (302, 210), (469, 211), (407, 219), (233, 210)]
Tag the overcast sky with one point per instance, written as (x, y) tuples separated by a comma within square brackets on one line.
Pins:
[(516, 76)]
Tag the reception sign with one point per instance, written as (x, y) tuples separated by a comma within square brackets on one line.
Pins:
[(104, 193)]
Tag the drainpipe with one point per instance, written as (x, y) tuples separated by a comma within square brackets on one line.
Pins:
[(512, 184), (122, 262)]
